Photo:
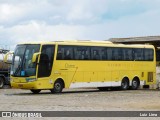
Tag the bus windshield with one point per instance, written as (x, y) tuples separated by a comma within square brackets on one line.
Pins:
[(22, 60)]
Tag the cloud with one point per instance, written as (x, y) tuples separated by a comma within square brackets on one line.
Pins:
[(68, 11), (8, 13), (71, 11), (48, 20)]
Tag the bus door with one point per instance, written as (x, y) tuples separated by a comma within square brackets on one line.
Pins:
[(46, 61)]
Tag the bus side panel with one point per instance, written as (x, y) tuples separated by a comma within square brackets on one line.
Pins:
[(102, 76), (77, 76)]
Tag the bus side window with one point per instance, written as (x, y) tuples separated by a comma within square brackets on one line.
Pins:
[(85, 54), (103, 54), (109, 53), (95, 55), (115, 55), (67, 55), (127, 54), (138, 54), (120, 54), (148, 54), (59, 54), (78, 53), (151, 55), (98, 53)]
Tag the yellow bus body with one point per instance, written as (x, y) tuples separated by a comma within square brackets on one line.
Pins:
[(91, 73)]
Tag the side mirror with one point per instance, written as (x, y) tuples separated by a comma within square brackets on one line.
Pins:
[(8, 57), (34, 57)]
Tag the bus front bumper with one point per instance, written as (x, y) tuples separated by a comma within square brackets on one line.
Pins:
[(27, 85)]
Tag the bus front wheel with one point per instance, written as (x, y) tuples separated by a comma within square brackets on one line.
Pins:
[(58, 87), (35, 91), (125, 84)]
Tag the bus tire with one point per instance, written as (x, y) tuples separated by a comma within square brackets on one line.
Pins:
[(58, 87), (125, 84), (1, 82), (135, 84), (35, 91)]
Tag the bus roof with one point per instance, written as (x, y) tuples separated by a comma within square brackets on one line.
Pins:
[(67, 41), (90, 43)]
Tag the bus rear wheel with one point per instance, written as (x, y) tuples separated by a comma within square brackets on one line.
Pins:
[(135, 84), (58, 87), (35, 91), (1, 82), (125, 84)]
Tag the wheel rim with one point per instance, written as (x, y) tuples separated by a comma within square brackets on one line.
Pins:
[(57, 86), (124, 84), (134, 83)]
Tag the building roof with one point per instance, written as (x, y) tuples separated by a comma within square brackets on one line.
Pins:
[(136, 39)]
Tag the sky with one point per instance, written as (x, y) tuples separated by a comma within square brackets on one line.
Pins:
[(50, 20)]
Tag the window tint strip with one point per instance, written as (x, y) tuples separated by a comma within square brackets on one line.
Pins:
[(66, 52)]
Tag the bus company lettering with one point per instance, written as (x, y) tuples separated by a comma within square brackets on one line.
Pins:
[(69, 66)]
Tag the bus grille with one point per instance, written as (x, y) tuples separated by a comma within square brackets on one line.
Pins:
[(150, 76)]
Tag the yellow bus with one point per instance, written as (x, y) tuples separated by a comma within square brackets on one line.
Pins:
[(75, 64)]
